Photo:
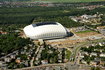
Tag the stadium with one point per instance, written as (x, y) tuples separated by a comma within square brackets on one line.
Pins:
[(46, 30)]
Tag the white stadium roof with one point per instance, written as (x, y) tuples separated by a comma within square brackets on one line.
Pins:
[(45, 30)]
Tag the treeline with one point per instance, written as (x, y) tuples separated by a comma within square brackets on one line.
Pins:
[(67, 22), (13, 0), (26, 15)]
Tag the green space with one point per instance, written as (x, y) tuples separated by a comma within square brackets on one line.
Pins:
[(67, 55), (50, 54), (26, 15), (95, 68), (11, 42), (67, 0), (53, 0), (39, 14), (85, 31)]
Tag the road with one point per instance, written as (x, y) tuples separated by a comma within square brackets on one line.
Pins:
[(9, 54), (42, 66), (75, 51)]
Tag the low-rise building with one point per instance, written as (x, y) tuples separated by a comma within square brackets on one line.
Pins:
[(18, 60), (44, 61), (7, 59), (84, 62), (100, 44), (86, 53), (93, 63), (1, 32), (13, 56), (102, 55), (93, 54)]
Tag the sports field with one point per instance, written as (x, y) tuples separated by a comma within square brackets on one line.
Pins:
[(67, 0)]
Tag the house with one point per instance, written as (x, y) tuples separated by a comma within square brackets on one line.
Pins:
[(7, 59), (84, 62), (22, 52), (60, 54), (88, 16), (50, 51), (1, 32), (17, 31), (18, 60), (86, 53), (100, 44), (102, 55), (25, 47), (87, 46), (13, 56), (65, 60), (74, 19), (93, 63), (1, 63), (44, 61), (93, 45), (59, 60), (101, 50), (81, 56), (93, 54), (26, 63), (41, 41)]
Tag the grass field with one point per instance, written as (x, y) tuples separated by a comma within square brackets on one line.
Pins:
[(67, 0), (68, 53), (85, 31)]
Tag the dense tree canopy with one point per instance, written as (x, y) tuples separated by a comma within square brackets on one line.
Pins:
[(25, 15), (11, 42)]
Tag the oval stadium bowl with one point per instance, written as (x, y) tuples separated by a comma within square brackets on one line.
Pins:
[(45, 30)]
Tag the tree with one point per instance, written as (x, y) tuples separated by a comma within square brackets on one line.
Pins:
[(11, 42), (95, 68)]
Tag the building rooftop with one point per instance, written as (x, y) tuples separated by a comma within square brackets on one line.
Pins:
[(44, 23)]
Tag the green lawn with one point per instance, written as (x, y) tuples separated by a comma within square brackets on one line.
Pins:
[(85, 31), (68, 0), (68, 53)]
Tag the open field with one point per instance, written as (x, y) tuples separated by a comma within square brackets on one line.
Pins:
[(85, 31), (67, 0), (79, 37)]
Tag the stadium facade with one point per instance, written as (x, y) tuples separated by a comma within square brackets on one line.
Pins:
[(45, 30)]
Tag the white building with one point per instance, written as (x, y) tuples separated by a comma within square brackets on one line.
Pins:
[(46, 30), (88, 16), (102, 55), (93, 54)]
